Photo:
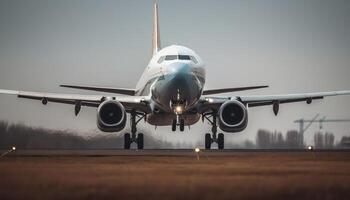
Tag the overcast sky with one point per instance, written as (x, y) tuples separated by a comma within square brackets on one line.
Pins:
[(292, 46)]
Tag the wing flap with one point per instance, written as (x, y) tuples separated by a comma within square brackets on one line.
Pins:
[(266, 103), (63, 101)]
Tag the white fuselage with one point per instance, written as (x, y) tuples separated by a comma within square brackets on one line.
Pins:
[(174, 79)]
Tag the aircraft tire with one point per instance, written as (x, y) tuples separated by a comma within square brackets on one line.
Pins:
[(221, 140), (207, 141), (127, 141), (182, 125), (173, 126), (140, 141)]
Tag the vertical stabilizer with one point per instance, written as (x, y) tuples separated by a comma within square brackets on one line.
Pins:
[(155, 34)]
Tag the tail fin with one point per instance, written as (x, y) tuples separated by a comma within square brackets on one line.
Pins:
[(155, 34)]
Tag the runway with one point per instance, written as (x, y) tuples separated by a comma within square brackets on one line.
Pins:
[(175, 174), (156, 152)]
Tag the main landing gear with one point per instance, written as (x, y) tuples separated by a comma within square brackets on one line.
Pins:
[(137, 138), (214, 137)]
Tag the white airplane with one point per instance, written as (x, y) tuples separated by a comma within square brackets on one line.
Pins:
[(171, 93)]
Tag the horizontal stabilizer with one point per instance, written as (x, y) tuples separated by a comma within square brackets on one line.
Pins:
[(130, 92), (225, 90)]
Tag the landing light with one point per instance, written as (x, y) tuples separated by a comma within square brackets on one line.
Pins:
[(210, 100), (310, 148), (13, 148), (178, 109)]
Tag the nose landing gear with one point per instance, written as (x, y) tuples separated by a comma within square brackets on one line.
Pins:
[(137, 138), (178, 107), (214, 137), (180, 122)]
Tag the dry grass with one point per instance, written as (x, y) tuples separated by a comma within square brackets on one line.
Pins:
[(240, 176)]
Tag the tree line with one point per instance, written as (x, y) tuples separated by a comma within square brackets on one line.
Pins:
[(26, 137)]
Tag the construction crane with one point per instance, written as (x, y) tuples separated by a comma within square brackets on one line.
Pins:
[(303, 127), (331, 120)]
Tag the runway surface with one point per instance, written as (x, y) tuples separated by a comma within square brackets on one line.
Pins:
[(155, 152), (174, 174)]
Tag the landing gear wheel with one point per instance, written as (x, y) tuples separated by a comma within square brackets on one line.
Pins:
[(140, 141), (207, 141), (182, 125), (127, 141), (173, 126), (221, 141)]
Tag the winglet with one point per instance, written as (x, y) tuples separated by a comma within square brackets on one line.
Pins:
[(155, 35)]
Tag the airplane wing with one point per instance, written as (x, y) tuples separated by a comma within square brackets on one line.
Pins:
[(236, 89), (263, 100), (210, 103), (124, 91), (129, 102)]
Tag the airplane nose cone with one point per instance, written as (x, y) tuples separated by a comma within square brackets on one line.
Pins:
[(178, 86), (176, 69)]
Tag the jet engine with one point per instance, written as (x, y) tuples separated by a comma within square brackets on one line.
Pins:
[(111, 116), (233, 116)]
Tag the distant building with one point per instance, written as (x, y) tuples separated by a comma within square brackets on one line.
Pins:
[(318, 140), (345, 142), (324, 140), (328, 140), (294, 139), (277, 140), (263, 139), (268, 140)]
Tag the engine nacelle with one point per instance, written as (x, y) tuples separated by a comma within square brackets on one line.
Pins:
[(233, 116), (111, 116)]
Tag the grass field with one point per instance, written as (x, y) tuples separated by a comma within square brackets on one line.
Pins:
[(249, 175)]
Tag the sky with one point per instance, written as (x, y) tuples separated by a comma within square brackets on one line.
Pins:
[(292, 46)]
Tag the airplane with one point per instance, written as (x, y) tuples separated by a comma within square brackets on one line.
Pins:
[(171, 92)]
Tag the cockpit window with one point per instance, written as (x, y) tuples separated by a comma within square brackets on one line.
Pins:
[(171, 57), (161, 59), (184, 57), (177, 57), (194, 59)]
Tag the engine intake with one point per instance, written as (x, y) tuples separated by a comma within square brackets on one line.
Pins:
[(233, 116), (111, 116)]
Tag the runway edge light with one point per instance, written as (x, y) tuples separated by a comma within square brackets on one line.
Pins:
[(197, 150)]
